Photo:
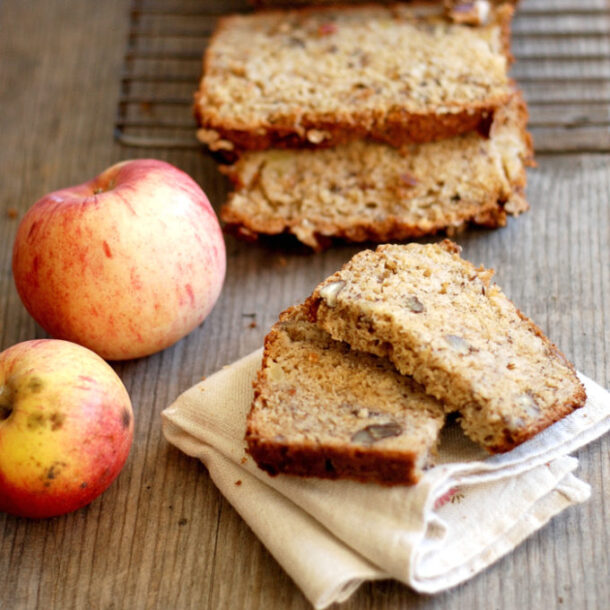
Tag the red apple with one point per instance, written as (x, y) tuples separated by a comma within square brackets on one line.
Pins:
[(66, 426), (125, 264)]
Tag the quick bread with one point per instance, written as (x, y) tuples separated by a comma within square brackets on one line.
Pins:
[(319, 76), (365, 190), (442, 320), (324, 410)]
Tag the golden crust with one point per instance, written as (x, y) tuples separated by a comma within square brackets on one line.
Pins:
[(397, 127)]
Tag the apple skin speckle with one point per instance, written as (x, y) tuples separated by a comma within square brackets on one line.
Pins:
[(68, 430), (126, 418), (191, 294), (125, 264)]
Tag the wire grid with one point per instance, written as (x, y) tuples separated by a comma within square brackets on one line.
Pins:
[(561, 48)]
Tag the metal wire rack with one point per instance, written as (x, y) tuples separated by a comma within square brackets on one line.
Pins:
[(561, 48)]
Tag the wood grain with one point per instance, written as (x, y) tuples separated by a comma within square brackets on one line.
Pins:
[(162, 536)]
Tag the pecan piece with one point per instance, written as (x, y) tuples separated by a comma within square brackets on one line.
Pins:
[(376, 432), (330, 291), (415, 305), (458, 344)]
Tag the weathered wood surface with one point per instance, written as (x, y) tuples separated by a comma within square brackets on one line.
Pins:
[(162, 536)]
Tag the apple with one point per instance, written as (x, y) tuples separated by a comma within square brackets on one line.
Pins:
[(66, 426), (125, 264)]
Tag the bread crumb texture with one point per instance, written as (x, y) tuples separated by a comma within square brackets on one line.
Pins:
[(442, 320), (365, 190), (322, 409), (319, 76)]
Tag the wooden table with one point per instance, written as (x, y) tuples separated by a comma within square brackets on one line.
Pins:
[(162, 536)]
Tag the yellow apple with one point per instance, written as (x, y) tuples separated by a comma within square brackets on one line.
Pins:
[(125, 264), (66, 427)]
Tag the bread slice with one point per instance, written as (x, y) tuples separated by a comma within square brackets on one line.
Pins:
[(441, 320), (321, 76), (323, 410), (365, 190)]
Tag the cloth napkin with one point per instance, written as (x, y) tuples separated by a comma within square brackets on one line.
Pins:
[(330, 536)]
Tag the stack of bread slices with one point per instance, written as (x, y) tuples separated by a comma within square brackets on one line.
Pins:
[(356, 382), (368, 122)]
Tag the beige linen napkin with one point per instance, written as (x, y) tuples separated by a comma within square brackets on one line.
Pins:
[(330, 536)]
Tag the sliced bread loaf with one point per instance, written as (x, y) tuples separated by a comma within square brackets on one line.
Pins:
[(323, 410), (321, 76), (441, 320), (365, 190)]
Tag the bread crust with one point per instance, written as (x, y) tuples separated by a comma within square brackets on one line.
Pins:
[(391, 468), (397, 127)]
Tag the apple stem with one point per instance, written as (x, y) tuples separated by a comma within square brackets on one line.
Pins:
[(5, 412), (103, 189)]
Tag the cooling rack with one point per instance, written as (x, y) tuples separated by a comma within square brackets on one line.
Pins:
[(561, 48)]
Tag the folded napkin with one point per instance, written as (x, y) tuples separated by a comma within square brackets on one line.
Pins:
[(330, 536)]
